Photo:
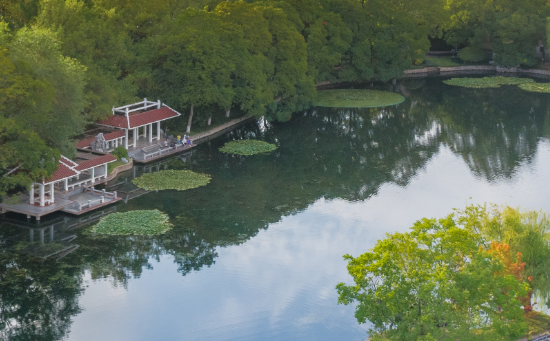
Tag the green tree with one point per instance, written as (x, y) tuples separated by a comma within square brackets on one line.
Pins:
[(435, 283), (53, 108), (194, 61)]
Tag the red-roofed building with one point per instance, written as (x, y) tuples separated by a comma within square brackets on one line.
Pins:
[(113, 140), (70, 171), (139, 115)]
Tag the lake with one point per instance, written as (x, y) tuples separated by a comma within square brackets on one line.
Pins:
[(257, 253)]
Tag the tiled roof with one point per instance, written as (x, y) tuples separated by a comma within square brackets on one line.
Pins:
[(61, 173), (68, 161), (139, 119), (95, 162), (108, 137)]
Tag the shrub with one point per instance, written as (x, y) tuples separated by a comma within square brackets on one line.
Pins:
[(120, 152), (471, 54)]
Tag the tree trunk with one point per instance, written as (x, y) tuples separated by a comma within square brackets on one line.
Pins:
[(210, 119), (227, 112), (190, 120)]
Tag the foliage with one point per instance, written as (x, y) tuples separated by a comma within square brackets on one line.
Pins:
[(247, 147), (471, 54), (141, 222), (172, 179), (487, 82), (440, 61), (525, 232), (510, 28), (357, 98), (112, 165), (435, 282), (538, 323), (120, 152), (536, 87)]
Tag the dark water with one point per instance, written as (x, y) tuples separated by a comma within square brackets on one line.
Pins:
[(257, 253)]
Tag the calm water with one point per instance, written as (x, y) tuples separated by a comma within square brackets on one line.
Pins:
[(257, 253)]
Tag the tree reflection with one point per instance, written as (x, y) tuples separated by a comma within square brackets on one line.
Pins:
[(323, 153)]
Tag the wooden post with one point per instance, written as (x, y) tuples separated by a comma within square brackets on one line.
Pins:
[(31, 193)]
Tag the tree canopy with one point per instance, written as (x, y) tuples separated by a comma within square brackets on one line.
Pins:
[(438, 281)]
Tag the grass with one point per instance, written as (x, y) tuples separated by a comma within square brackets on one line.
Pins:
[(487, 82), (180, 180), (357, 98), (538, 323), (144, 222), (536, 87), (247, 147), (111, 166)]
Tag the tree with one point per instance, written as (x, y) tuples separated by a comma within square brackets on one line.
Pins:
[(53, 101), (194, 61), (435, 283), (509, 28)]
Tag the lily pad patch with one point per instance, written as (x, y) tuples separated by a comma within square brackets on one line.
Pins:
[(180, 180), (356, 98), (487, 82), (536, 87), (144, 222), (247, 147)]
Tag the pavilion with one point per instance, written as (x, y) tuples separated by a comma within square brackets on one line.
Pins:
[(132, 117), (68, 175)]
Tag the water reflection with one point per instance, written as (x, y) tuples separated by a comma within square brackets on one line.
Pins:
[(332, 155)]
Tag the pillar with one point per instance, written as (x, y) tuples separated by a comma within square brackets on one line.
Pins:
[(66, 184), (158, 104), (126, 138), (93, 174), (135, 137), (158, 131), (41, 195), (145, 131), (51, 233), (31, 235), (116, 143), (31, 193), (106, 171), (41, 236), (151, 132), (52, 193)]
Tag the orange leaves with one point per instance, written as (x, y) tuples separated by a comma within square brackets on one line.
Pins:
[(502, 252)]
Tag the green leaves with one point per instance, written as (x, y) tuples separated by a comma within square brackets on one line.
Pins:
[(172, 179), (433, 283), (487, 82), (143, 222), (247, 147), (536, 87), (357, 98)]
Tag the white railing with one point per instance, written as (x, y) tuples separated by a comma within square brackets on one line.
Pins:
[(160, 151), (103, 192)]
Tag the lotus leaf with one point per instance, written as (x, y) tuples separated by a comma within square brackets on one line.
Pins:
[(172, 179), (144, 222), (247, 147), (357, 98), (487, 82), (536, 87)]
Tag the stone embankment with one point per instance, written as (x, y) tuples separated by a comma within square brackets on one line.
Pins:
[(119, 169), (207, 135), (471, 68)]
